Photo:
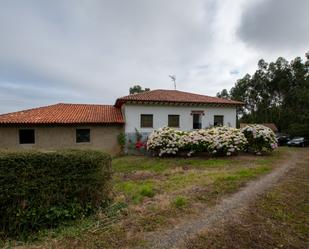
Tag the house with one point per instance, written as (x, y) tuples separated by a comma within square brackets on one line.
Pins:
[(97, 126), (62, 126)]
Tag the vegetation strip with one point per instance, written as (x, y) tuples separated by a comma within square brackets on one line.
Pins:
[(278, 219), (164, 191), (175, 237)]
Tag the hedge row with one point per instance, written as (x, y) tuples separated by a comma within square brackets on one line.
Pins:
[(42, 190)]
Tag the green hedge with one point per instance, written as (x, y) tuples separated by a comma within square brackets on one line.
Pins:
[(44, 189)]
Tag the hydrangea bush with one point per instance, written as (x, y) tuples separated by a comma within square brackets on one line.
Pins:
[(215, 141), (165, 141), (226, 141), (260, 138), (195, 141)]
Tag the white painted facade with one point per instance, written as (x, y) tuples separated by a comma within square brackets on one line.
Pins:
[(132, 114)]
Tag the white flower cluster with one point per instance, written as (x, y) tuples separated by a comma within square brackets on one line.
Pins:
[(165, 141), (226, 141), (218, 140), (260, 138), (196, 141)]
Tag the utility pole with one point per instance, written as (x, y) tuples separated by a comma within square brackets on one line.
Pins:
[(173, 78)]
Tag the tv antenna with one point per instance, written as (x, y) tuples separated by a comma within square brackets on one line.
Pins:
[(173, 78)]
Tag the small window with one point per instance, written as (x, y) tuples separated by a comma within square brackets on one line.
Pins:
[(197, 121), (173, 121), (82, 135), (218, 120), (146, 120), (26, 136)]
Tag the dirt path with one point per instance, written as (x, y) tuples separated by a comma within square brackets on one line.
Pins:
[(226, 209)]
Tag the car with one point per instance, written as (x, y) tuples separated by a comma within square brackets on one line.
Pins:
[(283, 138), (298, 141)]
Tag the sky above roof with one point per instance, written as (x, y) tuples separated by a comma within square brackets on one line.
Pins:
[(93, 51)]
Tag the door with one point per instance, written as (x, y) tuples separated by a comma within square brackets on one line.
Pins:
[(197, 121)]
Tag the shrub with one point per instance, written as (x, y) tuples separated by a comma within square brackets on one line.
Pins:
[(260, 138), (165, 141), (196, 141), (226, 141), (216, 141), (121, 138), (41, 190)]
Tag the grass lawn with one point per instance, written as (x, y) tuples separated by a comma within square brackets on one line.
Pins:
[(152, 193)]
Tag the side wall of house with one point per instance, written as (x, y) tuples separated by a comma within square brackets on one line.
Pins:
[(133, 113), (102, 138)]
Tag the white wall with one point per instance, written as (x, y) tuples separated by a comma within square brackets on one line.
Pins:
[(132, 115)]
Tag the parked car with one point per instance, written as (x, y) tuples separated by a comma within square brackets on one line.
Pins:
[(298, 141), (283, 138)]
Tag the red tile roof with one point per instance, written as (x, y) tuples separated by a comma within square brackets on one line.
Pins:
[(174, 96), (65, 114)]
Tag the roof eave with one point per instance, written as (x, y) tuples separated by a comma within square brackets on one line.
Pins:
[(59, 124), (120, 102)]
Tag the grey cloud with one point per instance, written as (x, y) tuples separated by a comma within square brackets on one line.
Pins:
[(234, 71), (100, 48), (93, 51), (276, 25)]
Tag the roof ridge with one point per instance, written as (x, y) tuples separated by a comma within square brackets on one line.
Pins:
[(53, 105), (84, 104), (62, 113), (170, 95), (30, 109), (135, 94)]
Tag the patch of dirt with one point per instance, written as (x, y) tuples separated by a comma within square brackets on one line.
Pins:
[(145, 175), (141, 175), (228, 208)]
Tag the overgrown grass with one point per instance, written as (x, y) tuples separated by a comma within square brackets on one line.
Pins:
[(128, 164), (179, 202), (136, 191)]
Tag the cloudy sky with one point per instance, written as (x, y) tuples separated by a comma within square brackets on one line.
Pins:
[(92, 51)]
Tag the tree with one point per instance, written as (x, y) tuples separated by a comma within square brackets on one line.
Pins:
[(224, 94), (138, 89), (278, 92)]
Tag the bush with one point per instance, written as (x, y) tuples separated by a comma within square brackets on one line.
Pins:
[(226, 141), (165, 141), (42, 190), (260, 138), (196, 141), (216, 141), (121, 138)]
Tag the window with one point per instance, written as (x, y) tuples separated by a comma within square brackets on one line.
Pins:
[(146, 120), (173, 121), (82, 135), (218, 120), (197, 121), (26, 136)]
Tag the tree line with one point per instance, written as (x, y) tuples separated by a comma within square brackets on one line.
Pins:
[(278, 92)]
